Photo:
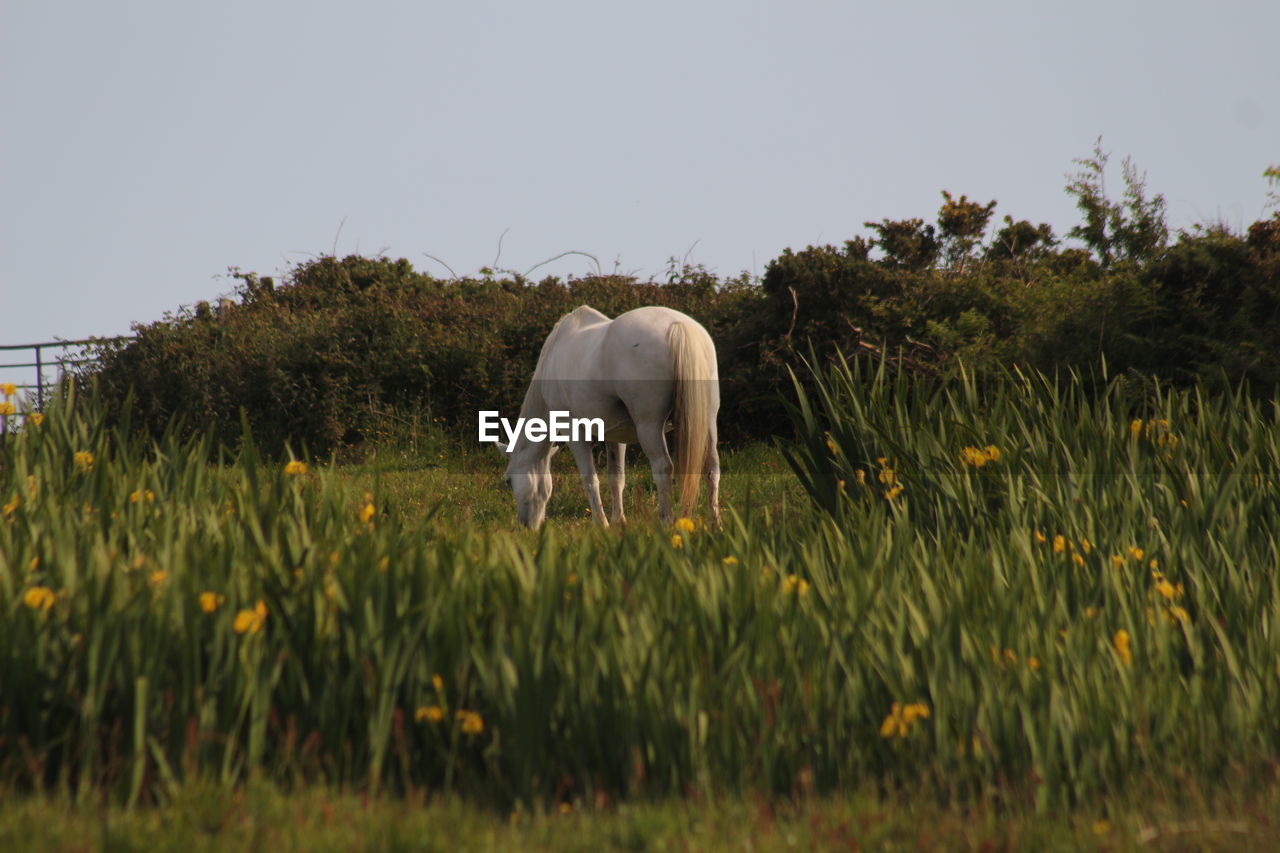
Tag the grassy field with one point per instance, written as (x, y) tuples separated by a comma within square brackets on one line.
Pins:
[(258, 816), (950, 612)]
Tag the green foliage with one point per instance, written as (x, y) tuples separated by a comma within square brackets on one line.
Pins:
[(1146, 510), (909, 243), (962, 224), (1021, 239), (315, 362), (1133, 230)]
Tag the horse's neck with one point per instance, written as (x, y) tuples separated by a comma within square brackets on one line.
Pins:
[(534, 406)]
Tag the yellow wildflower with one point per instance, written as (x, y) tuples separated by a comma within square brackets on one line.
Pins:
[(295, 467), (251, 621), (1040, 537), (677, 541), (1135, 427), (1177, 614), (6, 408), (472, 722), (367, 512), (893, 492), (1091, 613), (1165, 588), (209, 601), (84, 460), (1059, 544), (1086, 545), (437, 682), (993, 453), (39, 598), (860, 476), (11, 507), (1136, 553), (1033, 663), (973, 456), (1117, 561), (428, 713), (1121, 642), (796, 584), (913, 711), (1078, 559), (35, 418), (730, 560), (893, 724), (685, 525), (8, 389), (901, 718), (158, 577)]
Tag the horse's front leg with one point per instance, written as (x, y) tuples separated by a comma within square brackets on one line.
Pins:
[(587, 470), (616, 454)]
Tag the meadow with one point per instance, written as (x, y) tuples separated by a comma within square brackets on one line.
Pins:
[(1045, 604)]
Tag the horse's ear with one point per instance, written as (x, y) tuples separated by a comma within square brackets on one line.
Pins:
[(555, 448)]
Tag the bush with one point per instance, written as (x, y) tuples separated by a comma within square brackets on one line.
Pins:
[(316, 360)]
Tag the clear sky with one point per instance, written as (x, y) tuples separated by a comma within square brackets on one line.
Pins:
[(147, 146)]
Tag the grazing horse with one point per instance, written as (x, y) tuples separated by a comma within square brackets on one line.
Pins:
[(636, 373)]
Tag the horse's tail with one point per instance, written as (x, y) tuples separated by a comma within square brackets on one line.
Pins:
[(693, 359)]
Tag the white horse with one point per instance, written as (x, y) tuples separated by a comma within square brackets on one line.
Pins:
[(635, 373)]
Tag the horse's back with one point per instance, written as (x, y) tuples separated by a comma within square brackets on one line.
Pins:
[(636, 345)]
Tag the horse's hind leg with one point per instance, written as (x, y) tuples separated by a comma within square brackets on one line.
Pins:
[(713, 480), (587, 470), (653, 441), (616, 454)]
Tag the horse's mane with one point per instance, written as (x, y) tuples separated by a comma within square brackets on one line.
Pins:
[(568, 323)]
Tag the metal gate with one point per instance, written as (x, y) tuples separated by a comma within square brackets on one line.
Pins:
[(43, 366)]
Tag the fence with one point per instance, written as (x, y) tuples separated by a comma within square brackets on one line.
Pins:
[(61, 355)]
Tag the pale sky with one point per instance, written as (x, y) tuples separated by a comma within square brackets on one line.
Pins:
[(147, 146)]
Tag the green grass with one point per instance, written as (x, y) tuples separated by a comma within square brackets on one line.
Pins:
[(426, 648), (259, 816), (468, 480)]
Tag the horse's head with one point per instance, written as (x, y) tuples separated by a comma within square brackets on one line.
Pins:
[(529, 478)]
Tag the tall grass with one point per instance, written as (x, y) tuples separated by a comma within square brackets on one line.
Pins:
[(979, 628)]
